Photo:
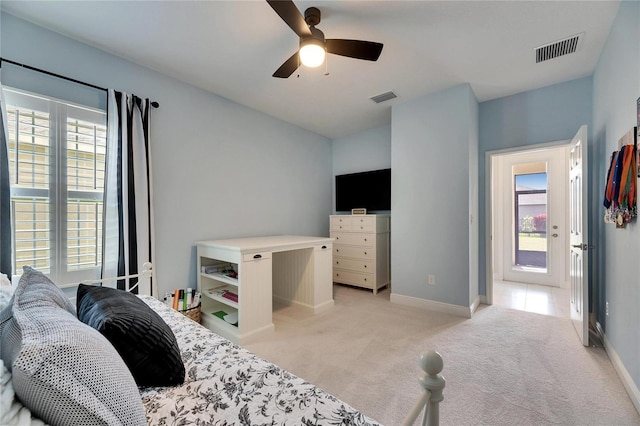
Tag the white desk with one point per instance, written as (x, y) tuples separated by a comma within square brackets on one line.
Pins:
[(288, 268)]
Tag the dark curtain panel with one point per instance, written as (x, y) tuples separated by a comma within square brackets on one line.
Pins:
[(127, 212), (5, 202)]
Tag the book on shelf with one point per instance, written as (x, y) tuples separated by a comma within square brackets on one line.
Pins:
[(225, 293), (231, 318), (226, 270), (230, 295), (210, 269), (220, 314)]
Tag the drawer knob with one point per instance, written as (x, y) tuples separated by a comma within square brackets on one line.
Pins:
[(324, 247), (337, 263), (365, 266), (365, 239), (338, 251), (257, 256), (365, 279), (365, 252), (362, 227)]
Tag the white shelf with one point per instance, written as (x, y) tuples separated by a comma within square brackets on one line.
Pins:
[(209, 317), (221, 277), (208, 293)]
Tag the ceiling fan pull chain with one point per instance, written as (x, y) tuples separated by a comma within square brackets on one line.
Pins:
[(326, 65)]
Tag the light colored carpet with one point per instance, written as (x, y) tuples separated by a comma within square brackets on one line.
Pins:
[(503, 367)]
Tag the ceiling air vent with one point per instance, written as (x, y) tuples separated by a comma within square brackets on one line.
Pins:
[(558, 48), (383, 97)]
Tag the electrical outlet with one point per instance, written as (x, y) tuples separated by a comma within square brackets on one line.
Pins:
[(431, 279), (606, 308)]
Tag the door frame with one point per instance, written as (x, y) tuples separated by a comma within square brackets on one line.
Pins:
[(488, 205)]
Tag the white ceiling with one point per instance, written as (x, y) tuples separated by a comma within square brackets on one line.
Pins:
[(232, 48)]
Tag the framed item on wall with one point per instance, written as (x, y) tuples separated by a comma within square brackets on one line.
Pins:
[(637, 136)]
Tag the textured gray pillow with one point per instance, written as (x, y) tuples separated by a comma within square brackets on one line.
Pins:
[(64, 371)]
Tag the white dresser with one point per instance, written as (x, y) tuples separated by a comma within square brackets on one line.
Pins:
[(361, 250)]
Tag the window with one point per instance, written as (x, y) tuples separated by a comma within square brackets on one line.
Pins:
[(57, 154), (530, 203)]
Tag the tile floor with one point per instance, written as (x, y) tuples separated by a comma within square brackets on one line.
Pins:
[(532, 298)]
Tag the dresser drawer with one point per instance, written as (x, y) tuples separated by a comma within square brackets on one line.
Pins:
[(353, 223), (356, 265), (357, 252), (354, 278), (363, 223), (340, 223), (354, 238)]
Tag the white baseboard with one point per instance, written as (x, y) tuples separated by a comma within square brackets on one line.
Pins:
[(322, 307), (623, 374), (474, 305), (430, 305), (483, 299)]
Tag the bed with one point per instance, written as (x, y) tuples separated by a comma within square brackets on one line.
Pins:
[(200, 378)]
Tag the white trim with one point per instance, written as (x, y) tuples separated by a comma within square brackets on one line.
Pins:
[(488, 201), (474, 306), (430, 305), (484, 300), (317, 309), (623, 374)]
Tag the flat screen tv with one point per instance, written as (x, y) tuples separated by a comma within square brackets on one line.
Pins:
[(370, 190)]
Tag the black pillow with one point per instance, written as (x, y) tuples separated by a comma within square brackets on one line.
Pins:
[(142, 338)]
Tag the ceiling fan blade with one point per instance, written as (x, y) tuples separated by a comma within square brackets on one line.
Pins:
[(288, 68), (367, 50), (291, 16)]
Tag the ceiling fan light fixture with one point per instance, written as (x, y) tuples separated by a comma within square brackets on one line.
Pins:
[(312, 52)]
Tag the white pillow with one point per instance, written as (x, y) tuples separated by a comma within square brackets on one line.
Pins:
[(64, 371), (12, 412), (6, 291)]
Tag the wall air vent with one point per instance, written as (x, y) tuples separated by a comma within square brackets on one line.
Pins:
[(383, 97), (559, 48)]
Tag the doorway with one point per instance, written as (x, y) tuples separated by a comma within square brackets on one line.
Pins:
[(528, 217)]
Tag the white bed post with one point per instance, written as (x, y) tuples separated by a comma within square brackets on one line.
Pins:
[(433, 384), (144, 282)]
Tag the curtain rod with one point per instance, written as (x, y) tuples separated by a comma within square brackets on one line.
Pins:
[(73, 80)]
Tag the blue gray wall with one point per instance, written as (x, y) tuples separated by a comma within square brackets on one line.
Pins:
[(549, 114), (220, 169), (361, 152), (616, 87), (432, 140)]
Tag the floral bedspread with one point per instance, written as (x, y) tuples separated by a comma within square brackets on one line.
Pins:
[(228, 385)]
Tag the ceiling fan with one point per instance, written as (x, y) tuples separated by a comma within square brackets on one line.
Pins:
[(313, 45)]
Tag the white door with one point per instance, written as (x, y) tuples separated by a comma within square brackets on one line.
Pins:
[(534, 216), (579, 236)]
